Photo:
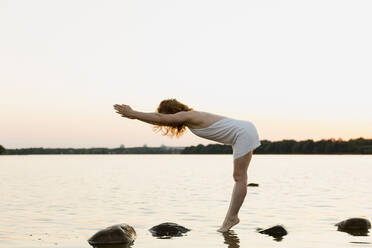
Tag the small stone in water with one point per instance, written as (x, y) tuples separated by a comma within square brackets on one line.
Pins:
[(168, 229), (117, 234), (354, 226), (277, 232)]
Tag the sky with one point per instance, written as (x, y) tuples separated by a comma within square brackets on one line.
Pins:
[(296, 69)]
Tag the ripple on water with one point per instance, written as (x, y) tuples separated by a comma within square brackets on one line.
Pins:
[(72, 215)]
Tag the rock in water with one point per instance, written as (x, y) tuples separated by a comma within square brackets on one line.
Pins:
[(354, 226), (168, 229), (113, 246), (117, 234), (276, 231)]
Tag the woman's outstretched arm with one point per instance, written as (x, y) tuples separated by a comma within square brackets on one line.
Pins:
[(182, 117)]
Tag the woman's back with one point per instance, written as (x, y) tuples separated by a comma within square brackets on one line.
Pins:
[(200, 119)]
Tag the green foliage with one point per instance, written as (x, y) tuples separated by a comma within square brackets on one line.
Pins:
[(2, 150), (331, 146), (209, 149), (133, 150)]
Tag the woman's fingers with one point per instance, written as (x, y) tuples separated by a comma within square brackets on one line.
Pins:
[(123, 110), (123, 106)]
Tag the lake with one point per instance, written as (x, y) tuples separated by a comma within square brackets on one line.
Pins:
[(62, 200)]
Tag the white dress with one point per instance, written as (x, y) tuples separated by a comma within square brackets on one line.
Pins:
[(242, 135)]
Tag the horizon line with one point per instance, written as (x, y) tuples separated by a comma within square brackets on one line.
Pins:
[(166, 146)]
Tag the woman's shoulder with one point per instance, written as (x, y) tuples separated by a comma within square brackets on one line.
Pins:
[(199, 115), (201, 119)]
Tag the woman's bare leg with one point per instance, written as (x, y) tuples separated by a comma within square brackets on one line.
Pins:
[(240, 190)]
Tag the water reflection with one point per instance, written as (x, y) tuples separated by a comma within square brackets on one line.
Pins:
[(105, 189), (114, 246), (358, 233), (231, 239), (280, 238)]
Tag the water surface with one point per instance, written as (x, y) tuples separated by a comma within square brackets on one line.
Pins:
[(61, 200)]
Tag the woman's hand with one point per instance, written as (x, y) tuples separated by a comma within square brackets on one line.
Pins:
[(124, 110)]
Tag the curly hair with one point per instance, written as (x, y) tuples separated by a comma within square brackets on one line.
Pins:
[(171, 106)]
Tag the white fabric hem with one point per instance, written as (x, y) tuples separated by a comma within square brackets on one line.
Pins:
[(249, 149)]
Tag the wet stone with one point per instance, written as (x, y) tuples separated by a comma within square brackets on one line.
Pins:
[(167, 230), (354, 226), (121, 234), (277, 232), (113, 246)]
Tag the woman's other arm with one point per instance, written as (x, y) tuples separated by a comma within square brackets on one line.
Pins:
[(182, 117)]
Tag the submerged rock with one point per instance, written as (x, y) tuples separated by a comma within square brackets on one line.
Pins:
[(277, 232), (354, 226), (113, 246), (117, 234), (252, 184), (168, 229)]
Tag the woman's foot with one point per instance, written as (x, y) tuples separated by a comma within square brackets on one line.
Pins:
[(228, 224)]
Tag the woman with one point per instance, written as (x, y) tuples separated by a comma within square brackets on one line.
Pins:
[(172, 117)]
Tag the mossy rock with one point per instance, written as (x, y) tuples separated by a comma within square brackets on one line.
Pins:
[(116, 234)]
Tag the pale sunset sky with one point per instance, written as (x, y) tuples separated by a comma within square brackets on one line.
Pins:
[(296, 69)]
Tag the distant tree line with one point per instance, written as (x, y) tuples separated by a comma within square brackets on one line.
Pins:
[(209, 149), (131, 150), (330, 146), (2, 149)]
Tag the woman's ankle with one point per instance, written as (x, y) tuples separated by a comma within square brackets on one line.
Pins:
[(231, 218)]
